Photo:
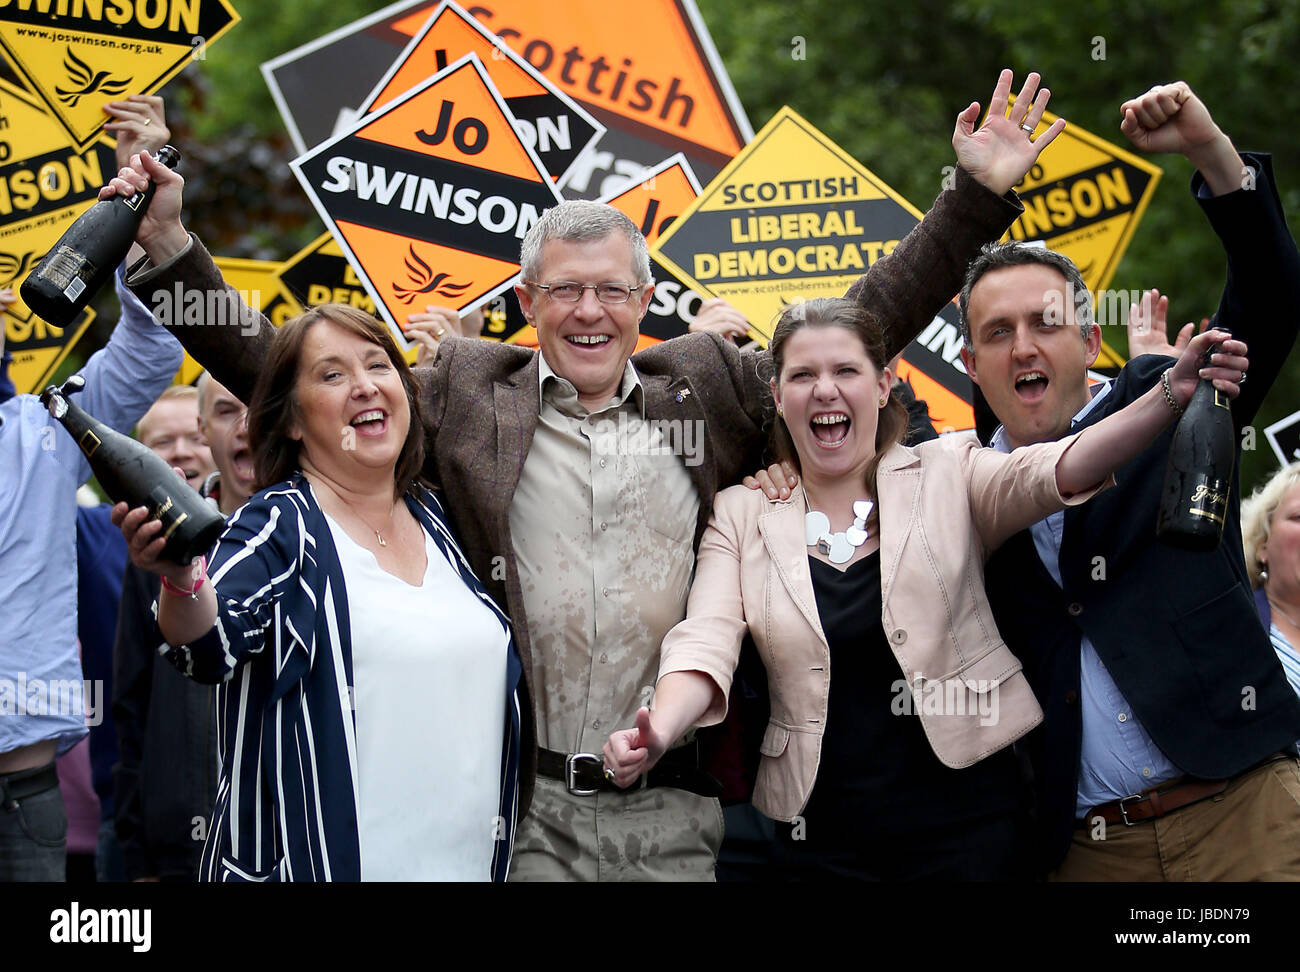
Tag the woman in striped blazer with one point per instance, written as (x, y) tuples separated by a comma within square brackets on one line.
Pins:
[(368, 714)]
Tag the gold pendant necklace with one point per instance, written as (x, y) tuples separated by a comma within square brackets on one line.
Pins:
[(378, 536)]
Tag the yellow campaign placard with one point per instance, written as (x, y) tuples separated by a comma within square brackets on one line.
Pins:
[(78, 54), (1084, 198), (792, 217), (45, 184), (258, 283)]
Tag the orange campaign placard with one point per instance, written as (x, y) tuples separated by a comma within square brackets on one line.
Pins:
[(430, 197), (548, 120), (650, 63)]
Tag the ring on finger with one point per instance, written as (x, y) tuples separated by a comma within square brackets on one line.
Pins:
[(1028, 129), (148, 122), (609, 774), (1242, 379)]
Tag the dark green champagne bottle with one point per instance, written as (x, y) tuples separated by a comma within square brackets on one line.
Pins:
[(1198, 477), (77, 267), (132, 473)]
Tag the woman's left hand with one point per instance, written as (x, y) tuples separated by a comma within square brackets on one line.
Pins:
[(1226, 368)]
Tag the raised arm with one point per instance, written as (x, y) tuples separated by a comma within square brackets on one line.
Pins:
[(907, 288), (230, 339), (1239, 197)]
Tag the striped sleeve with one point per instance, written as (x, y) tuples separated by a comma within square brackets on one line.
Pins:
[(253, 562)]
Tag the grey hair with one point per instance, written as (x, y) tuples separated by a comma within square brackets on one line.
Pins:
[(580, 221), (996, 256), (1257, 516)]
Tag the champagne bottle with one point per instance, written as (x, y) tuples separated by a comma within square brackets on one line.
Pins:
[(1198, 477), (84, 258), (130, 472)]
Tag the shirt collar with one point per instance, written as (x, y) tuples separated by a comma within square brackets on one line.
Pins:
[(1098, 391), (564, 396)]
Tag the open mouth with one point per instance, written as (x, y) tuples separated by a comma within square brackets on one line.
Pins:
[(371, 423), (1031, 386), (241, 463), (830, 429), (588, 342)]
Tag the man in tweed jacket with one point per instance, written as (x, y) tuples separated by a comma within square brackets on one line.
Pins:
[(570, 510)]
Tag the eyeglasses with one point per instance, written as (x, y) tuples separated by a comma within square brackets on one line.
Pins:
[(571, 293)]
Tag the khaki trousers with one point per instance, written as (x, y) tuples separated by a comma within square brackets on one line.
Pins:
[(661, 834), (1249, 832)]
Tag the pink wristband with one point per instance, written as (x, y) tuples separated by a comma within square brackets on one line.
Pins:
[(193, 592)]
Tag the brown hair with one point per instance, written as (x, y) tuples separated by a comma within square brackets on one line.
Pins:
[(838, 312), (274, 408)]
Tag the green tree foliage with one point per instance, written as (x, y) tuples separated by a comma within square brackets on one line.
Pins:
[(887, 80)]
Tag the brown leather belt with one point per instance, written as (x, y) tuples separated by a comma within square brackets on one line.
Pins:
[(1162, 800)]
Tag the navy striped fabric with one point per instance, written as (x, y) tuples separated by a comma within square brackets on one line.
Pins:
[(281, 655)]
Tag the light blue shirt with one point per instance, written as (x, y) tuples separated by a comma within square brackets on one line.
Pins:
[(1118, 757), (41, 690)]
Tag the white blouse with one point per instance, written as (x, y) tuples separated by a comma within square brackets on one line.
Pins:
[(428, 666)]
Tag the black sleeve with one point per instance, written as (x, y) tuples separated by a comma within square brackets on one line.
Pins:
[(132, 684)]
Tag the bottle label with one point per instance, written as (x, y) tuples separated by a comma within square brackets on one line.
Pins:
[(165, 511), (133, 202), (69, 271), (1210, 500), (89, 442), (1221, 400)]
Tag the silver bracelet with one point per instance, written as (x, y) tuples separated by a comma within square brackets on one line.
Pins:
[(1169, 395)]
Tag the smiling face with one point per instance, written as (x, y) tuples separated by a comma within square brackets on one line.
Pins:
[(353, 414), (171, 429), (829, 393), (1030, 360), (1281, 552), (588, 342)]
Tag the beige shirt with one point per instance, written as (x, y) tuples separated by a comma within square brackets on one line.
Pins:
[(602, 523)]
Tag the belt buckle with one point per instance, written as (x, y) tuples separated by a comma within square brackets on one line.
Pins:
[(1123, 810), (571, 772)]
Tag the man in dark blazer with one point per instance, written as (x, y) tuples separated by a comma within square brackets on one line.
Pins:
[(489, 408), (1166, 711)]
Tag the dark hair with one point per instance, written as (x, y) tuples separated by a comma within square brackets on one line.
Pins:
[(274, 408), (838, 312), (996, 256)]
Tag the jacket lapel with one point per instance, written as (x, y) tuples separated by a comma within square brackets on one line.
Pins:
[(515, 405), (898, 488), (782, 530)]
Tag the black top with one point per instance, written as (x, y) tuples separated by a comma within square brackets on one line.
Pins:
[(878, 775)]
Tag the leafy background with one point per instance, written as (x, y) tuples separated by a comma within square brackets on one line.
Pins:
[(883, 80)]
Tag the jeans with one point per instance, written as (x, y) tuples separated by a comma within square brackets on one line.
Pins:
[(33, 835)]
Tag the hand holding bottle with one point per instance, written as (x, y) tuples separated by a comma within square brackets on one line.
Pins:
[(160, 232), (1224, 366)]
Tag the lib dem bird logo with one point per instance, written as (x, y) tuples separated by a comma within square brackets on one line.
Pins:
[(14, 265), (424, 281), (90, 81)]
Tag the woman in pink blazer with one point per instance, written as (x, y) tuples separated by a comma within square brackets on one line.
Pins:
[(893, 697)]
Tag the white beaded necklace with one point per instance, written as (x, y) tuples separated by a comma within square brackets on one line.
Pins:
[(837, 547)]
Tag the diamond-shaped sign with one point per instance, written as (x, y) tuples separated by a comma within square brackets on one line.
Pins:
[(45, 184), (547, 119), (77, 55), (793, 217), (430, 197)]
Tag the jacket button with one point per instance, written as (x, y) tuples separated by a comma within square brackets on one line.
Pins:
[(1075, 609), (899, 636), (1071, 697)]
